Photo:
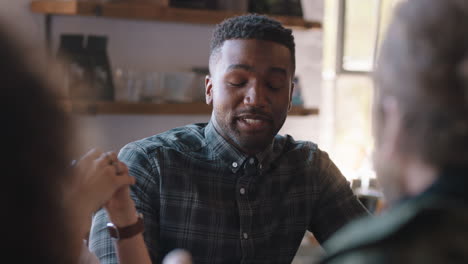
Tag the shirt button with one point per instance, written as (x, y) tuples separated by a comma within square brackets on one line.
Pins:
[(245, 236), (260, 166), (242, 191), (251, 161), (234, 164)]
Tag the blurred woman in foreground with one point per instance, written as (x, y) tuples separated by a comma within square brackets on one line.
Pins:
[(47, 202)]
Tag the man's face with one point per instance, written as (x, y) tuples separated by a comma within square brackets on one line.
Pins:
[(250, 89)]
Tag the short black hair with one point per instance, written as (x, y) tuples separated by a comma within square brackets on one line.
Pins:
[(253, 26)]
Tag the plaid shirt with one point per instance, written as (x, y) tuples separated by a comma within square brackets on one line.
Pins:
[(198, 192)]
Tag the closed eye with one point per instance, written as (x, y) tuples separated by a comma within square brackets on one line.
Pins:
[(273, 87), (236, 84)]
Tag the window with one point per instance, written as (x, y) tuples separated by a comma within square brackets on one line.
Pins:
[(361, 24), (354, 28)]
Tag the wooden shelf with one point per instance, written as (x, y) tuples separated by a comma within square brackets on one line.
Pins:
[(123, 108), (147, 11)]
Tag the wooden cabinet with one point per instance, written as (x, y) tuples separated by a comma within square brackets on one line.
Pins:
[(153, 12), (145, 11)]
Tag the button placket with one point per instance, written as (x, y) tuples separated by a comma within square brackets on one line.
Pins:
[(250, 171), (245, 215)]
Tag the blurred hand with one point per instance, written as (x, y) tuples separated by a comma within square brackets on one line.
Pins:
[(178, 256), (97, 178)]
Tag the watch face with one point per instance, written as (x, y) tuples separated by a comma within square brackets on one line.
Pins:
[(113, 230)]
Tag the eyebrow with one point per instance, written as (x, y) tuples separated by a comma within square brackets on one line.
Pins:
[(241, 66), (278, 70), (252, 69)]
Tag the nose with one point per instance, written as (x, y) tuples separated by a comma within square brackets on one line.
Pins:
[(256, 96)]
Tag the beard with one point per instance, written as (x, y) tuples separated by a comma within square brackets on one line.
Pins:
[(250, 142)]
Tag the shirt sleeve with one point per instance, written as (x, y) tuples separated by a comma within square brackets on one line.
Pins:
[(145, 193), (86, 257), (337, 204)]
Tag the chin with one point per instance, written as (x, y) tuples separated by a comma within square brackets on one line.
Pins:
[(255, 144), (252, 141)]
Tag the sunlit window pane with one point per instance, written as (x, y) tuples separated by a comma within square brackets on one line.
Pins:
[(353, 142), (359, 34)]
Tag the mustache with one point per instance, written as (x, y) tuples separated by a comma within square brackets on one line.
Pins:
[(254, 111)]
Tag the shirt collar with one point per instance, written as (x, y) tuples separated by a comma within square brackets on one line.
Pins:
[(229, 154), (451, 184)]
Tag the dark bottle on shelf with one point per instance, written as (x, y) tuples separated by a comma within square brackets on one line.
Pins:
[(76, 64), (100, 70), (276, 7), (197, 4)]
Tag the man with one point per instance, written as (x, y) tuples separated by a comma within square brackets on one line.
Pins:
[(421, 135), (232, 190)]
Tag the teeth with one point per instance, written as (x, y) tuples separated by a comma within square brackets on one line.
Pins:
[(252, 121)]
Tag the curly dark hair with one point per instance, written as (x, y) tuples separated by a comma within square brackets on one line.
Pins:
[(35, 156), (424, 64), (253, 26)]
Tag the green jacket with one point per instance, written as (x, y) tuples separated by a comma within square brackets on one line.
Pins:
[(429, 229)]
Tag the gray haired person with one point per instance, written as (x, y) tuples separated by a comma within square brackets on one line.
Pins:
[(421, 134)]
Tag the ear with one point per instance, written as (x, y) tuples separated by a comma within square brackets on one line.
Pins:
[(391, 130), (208, 90), (290, 96)]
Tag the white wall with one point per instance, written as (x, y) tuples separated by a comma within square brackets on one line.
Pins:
[(158, 46), (15, 16)]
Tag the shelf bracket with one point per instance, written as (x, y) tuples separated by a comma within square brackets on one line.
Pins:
[(98, 10), (48, 32)]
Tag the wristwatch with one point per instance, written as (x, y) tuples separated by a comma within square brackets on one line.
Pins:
[(126, 231)]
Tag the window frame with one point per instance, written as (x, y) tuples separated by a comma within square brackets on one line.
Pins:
[(341, 39)]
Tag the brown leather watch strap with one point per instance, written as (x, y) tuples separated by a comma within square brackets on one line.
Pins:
[(126, 231)]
